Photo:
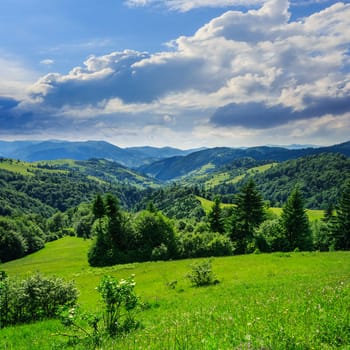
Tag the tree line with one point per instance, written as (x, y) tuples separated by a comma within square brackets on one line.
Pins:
[(246, 227)]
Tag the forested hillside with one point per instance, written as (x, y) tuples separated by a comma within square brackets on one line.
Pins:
[(44, 187), (209, 160), (321, 178)]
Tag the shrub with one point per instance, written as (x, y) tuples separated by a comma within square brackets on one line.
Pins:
[(205, 244), (119, 302), (202, 274), (117, 316), (34, 298)]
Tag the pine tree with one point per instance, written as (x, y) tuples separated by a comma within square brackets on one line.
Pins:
[(296, 223), (248, 214), (341, 230), (98, 207), (215, 217)]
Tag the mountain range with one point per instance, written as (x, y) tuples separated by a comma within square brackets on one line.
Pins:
[(208, 160), (163, 164), (132, 157)]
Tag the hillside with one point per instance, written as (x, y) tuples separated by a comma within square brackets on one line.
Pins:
[(320, 177), (44, 187), (262, 301), (208, 160)]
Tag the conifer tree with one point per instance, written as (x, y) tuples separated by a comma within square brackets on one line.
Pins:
[(296, 223), (98, 207), (215, 217), (248, 214), (341, 230)]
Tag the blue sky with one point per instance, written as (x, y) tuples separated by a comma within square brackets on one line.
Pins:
[(176, 73)]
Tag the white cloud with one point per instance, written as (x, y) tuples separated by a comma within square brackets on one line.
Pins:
[(47, 61), (254, 58)]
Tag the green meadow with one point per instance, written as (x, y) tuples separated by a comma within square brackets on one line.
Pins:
[(313, 214), (263, 301)]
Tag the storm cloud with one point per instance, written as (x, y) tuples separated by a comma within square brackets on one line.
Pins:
[(258, 115)]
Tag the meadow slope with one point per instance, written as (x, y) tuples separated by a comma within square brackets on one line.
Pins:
[(265, 301)]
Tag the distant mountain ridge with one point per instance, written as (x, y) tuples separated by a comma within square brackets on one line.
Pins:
[(176, 167), (165, 163), (132, 157)]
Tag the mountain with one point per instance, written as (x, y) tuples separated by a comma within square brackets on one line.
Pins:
[(209, 159), (133, 157)]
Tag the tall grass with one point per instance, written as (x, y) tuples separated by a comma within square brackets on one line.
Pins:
[(264, 301)]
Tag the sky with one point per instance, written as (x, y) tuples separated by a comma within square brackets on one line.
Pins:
[(180, 73)]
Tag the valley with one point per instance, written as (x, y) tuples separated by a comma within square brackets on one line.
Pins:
[(83, 219)]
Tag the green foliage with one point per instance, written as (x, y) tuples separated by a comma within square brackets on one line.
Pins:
[(98, 207), (155, 236), (320, 177), (269, 237), (321, 235), (120, 302), (18, 237), (34, 298), (202, 274), (204, 244), (295, 222), (247, 215), (175, 201), (117, 316), (341, 230), (215, 217)]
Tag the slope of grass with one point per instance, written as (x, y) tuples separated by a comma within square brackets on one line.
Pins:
[(313, 214), (276, 301), (16, 166)]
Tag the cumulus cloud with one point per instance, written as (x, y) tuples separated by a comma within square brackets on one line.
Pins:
[(252, 70)]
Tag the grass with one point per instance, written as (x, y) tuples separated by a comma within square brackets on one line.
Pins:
[(264, 301), (313, 214), (17, 166), (225, 177), (25, 168)]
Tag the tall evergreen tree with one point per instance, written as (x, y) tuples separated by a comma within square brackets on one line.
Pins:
[(248, 214), (215, 217), (111, 236), (98, 207), (296, 223), (341, 228)]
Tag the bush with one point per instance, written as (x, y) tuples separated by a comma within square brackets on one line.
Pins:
[(117, 316), (202, 274), (270, 237), (34, 298), (205, 244)]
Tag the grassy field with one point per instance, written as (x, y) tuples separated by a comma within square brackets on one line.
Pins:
[(226, 177), (264, 301), (313, 214)]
